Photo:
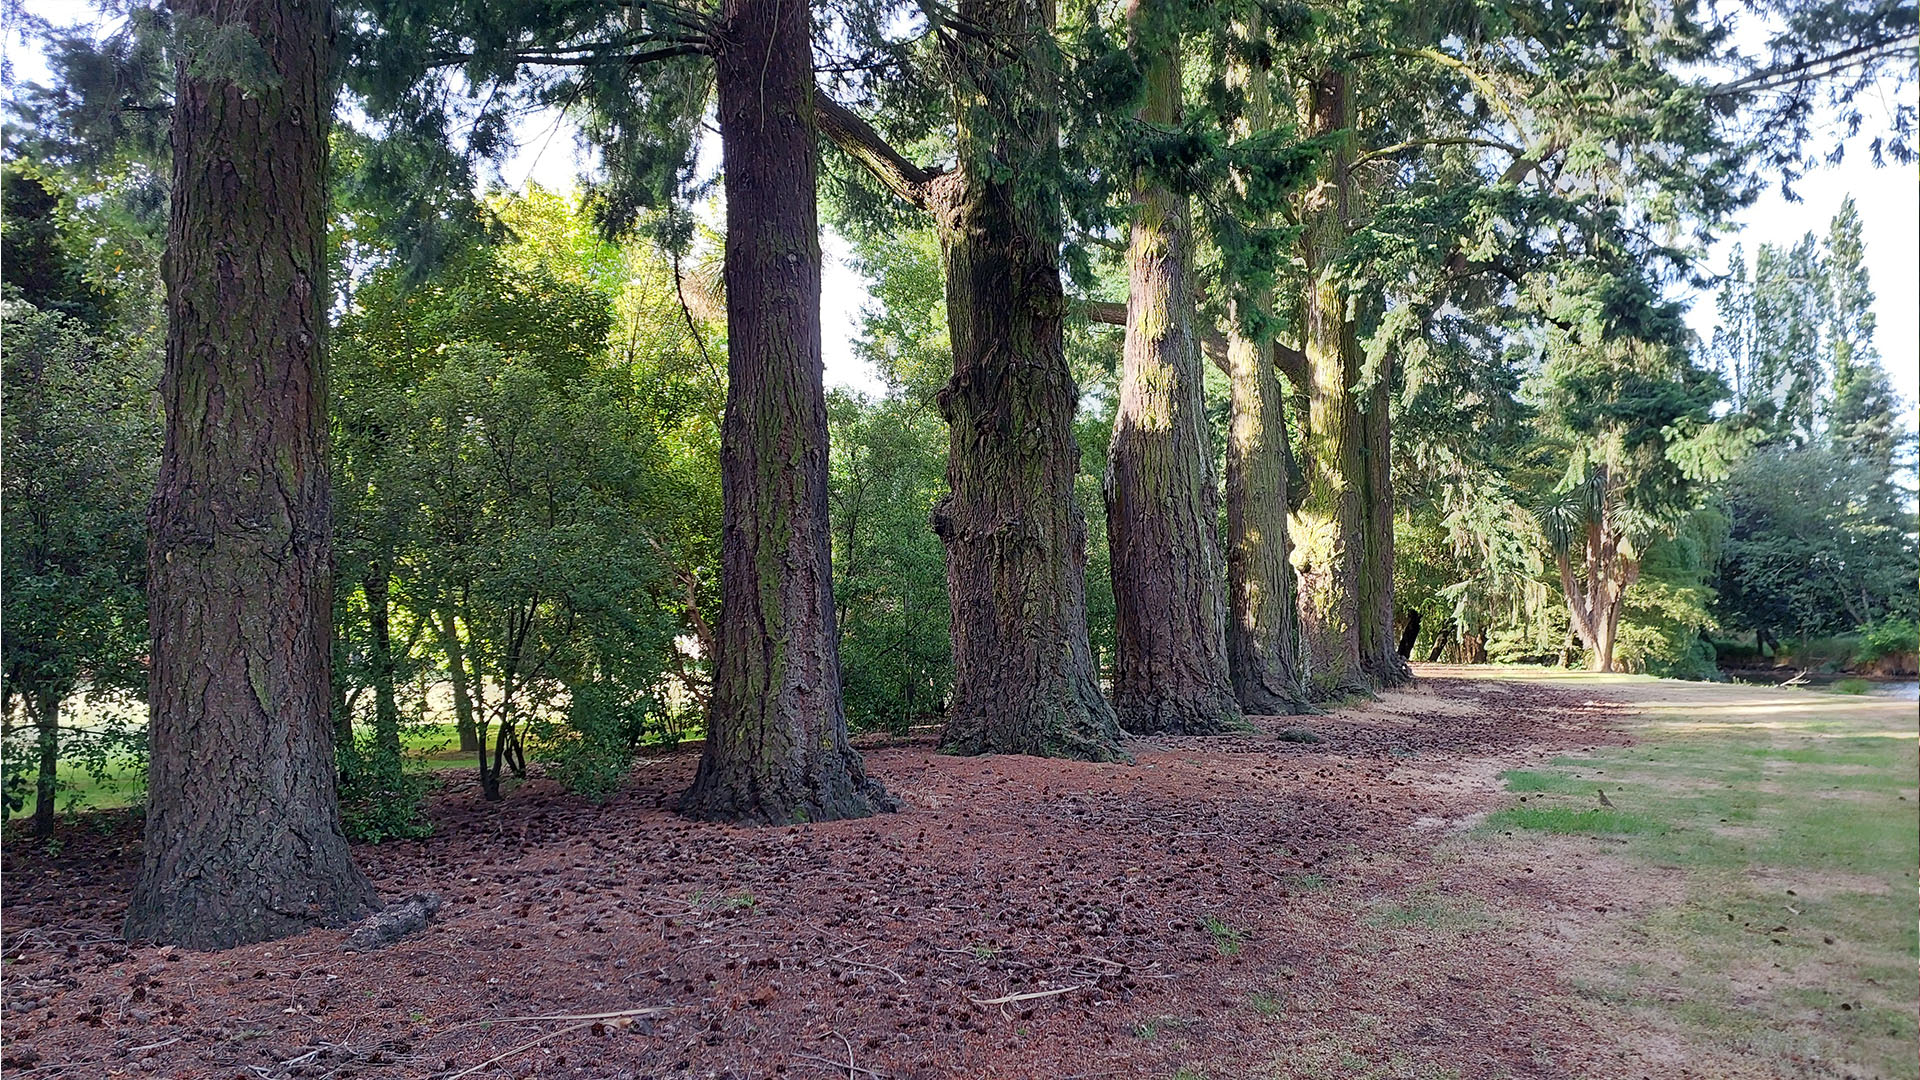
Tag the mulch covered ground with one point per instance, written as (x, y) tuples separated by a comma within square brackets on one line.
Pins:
[(1234, 906)]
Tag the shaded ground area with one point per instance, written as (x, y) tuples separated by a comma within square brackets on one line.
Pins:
[(1226, 907)]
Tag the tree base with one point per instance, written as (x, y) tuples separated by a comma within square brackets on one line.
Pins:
[(1082, 731), (1265, 701), (1389, 672), (741, 797), (1180, 716), (209, 909)]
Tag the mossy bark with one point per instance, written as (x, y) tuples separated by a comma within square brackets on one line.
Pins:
[(1170, 671), (1329, 526), (1262, 623), (776, 749), (1379, 649), (1014, 536), (243, 840)]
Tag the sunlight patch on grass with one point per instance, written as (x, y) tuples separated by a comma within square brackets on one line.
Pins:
[(1791, 823)]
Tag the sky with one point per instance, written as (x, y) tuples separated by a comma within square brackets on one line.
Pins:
[(1888, 198)]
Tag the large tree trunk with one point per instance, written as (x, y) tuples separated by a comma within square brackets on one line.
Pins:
[(1170, 673), (1329, 527), (243, 839), (1262, 622), (1016, 540), (46, 789), (1379, 655), (777, 749)]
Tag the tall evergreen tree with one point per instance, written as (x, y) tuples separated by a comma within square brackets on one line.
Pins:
[(1171, 671), (1263, 620), (777, 749), (1015, 537), (243, 839)]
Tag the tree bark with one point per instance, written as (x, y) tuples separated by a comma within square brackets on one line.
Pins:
[(1170, 671), (1263, 623), (463, 720), (1329, 527), (386, 712), (46, 788), (1379, 655), (1015, 538), (1410, 636), (776, 749), (243, 840)]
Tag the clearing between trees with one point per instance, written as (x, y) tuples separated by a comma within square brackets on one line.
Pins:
[(1428, 885)]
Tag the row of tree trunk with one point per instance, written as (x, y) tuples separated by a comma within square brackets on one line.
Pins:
[(243, 837)]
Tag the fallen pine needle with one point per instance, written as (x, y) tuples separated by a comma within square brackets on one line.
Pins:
[(1011, 998)]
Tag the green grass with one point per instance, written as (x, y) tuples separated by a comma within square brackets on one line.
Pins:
[(1792, 824), (1226, 940), (1593, 821)]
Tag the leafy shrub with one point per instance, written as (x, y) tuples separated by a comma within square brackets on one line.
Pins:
[(1851, 686), (110, 750), (379, 799), (592, 752), (1888, 637)]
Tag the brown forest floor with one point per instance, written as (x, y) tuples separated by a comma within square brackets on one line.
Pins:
[(1225, 907)]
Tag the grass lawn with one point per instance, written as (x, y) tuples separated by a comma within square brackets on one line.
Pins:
[(1786, 823), (431, 747)]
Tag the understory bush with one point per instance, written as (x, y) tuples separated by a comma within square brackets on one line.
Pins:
[(591, 753), (379, 799)]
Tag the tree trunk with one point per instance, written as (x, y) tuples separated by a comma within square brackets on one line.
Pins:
[(1170, 674), (1595, 602), (1015, 538), (46, 788), (1410, 636), (243, 839), (449, 632), (386, 713), (1379, 655), (1262, 623), (1329, 528), (776, 749)]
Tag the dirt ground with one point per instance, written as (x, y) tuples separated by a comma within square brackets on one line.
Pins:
[(1227, 907)]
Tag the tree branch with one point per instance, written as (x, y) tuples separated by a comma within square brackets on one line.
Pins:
[(1778, 75), (1292, 362), (1417, 144), (858, 140)]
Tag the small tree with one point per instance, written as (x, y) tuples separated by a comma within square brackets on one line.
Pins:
[(81, 445), (1633, 415)]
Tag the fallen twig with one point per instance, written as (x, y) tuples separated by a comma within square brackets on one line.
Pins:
[(836, 1066), (523, 1048), (1011, 998), (850, 962), (647, 1010)]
